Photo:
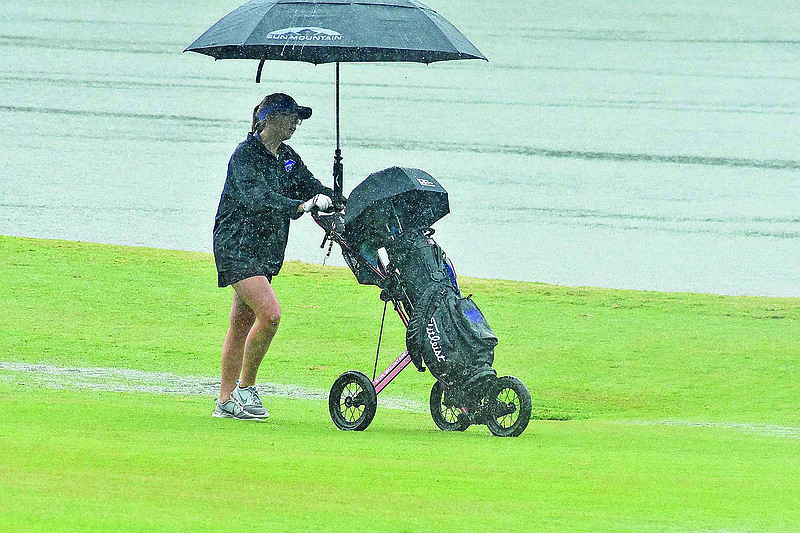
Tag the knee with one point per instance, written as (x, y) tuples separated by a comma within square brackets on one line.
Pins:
[(271, 321)]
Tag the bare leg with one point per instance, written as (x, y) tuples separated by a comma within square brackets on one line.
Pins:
[(242, 319), (257, 294)]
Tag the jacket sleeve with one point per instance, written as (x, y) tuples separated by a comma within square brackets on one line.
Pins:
[(254, 193)]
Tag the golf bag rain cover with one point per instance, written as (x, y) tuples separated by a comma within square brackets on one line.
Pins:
[(420, 261), (451, 335)]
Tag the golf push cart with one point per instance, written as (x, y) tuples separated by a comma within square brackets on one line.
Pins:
[(386, 239)]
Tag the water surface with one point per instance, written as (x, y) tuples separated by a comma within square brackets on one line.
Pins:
[(621, 145)]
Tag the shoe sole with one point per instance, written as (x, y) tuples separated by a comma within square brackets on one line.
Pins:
[(226, 415), (265, 415)]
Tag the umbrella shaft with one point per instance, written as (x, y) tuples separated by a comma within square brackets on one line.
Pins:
[(338, 168), (337, 105)]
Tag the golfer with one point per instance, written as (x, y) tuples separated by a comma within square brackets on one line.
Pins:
[(267, 186)]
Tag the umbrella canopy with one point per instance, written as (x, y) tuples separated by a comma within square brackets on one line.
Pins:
[(334, 31), (400, 198)]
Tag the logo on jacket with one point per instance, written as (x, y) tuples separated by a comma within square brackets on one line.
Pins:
[(289, 165), (304, 34)]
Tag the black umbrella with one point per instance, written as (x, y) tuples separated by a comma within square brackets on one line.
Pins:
[(334, 31), (393, 200)]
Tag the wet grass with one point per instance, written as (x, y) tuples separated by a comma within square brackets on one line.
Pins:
[(136, 462), (583, 352), (592, 358)]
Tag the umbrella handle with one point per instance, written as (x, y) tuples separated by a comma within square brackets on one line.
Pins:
[(338, 176), (258, 70)]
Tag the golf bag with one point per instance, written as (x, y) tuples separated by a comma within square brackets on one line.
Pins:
[(446, 332)]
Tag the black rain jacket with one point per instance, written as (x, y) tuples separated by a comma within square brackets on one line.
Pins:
[(261, 196)]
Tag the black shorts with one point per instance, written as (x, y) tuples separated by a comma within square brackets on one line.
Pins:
[(229, 277)]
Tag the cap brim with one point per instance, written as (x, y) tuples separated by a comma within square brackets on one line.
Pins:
[(303, 112)]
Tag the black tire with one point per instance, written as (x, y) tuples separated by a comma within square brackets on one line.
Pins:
[(510, 408), (352, 401), (445, 417)]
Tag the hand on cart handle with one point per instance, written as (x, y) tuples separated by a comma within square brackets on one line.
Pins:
[(319, 201)]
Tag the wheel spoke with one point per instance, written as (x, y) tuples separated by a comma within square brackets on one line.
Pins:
[(509, 396), (446, 415), (353, 412)]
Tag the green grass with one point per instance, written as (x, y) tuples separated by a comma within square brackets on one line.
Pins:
[(136, 462), (593, 358)]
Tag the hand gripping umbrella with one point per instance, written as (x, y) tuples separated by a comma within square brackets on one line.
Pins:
[(334, 31)]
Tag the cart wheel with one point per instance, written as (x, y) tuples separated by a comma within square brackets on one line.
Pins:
[(446, 417), (352, 401), (511, 409)]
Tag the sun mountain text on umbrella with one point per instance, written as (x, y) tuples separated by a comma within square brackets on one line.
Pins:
[(304, 34)]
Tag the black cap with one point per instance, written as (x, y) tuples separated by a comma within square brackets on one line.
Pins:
[(283, 104)]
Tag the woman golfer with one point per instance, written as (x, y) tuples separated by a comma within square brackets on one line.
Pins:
[(267, 186)]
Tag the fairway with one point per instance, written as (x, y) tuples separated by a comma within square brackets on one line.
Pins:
[(652, 412)]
